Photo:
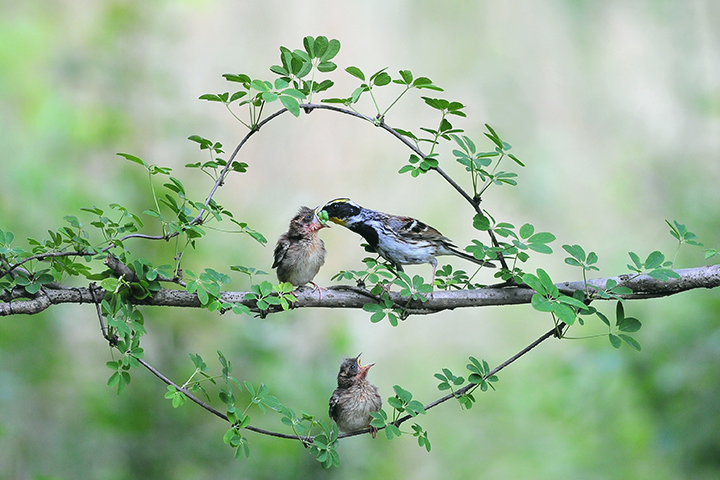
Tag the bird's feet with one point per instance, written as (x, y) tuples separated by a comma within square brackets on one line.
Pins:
[(319, 289)]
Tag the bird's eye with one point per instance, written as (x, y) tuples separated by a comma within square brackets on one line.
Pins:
[(308, 217), (353, 367)]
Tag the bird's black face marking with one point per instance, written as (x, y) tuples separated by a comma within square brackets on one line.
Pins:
[(341, 209)]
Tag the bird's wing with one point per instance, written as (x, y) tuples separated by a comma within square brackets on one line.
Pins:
[(416, 230), (280, 250), (334, 409)]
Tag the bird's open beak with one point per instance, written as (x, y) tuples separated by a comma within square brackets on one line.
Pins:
[(364, 368)]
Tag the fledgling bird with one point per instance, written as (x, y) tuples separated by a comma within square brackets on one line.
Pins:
[(399, 240), (354, 398), (300, 252)]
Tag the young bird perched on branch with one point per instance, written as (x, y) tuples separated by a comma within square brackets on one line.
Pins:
[(399, 240), (300, 252), (354, 398)]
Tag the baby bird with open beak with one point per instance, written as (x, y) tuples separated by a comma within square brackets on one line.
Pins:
[(354, 398)]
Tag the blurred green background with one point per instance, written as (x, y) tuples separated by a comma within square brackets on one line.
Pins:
[(614, 107)]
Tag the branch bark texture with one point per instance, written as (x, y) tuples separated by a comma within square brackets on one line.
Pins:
[(343, 296)]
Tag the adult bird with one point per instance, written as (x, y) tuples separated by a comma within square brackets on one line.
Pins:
[(399, 240)]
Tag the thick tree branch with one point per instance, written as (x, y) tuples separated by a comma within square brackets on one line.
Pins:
[(344, 296)]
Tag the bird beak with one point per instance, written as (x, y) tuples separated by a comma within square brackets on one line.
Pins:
[(364, 370)]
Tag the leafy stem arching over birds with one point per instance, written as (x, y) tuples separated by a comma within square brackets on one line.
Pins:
[(35, 278)]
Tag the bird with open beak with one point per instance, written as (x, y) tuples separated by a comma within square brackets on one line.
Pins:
[(354, 398)]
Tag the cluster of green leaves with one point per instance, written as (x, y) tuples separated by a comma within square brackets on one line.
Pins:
[(215, 165), (477, 163), (549, 299), (380, 79), (207, 286), (654, 266), (267, 295), (623, 324), (50, 260), (323, 444), (53, 259), (295, 84), (446, 278), (298, 64), (378, 276), (480, 377), (567, 309), (402, 404), (185, 214), (229, 388), (682, 234), (516, 249)]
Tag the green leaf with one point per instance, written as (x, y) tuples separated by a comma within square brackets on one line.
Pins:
[(481, 222), (564, 313), (259, 85), (541, 237), (407, 76), (293, 92), (619, 313), (382, 79), (534, 282), (526, 230), (654, 260), (240, 78), (663, 274), (333, 47), (279, 70), (109, 284), (547, 283), (211, 97), (291, 104), (572, 262), (614, 340), (133, 159), (540, 303), (319, 46), (636, 260), (576, 251), (356, 72), (630, 341), (574, 302), (326, 67), (629, 324)]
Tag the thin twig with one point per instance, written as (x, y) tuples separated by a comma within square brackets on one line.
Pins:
[(209, 408), (552, 333)]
